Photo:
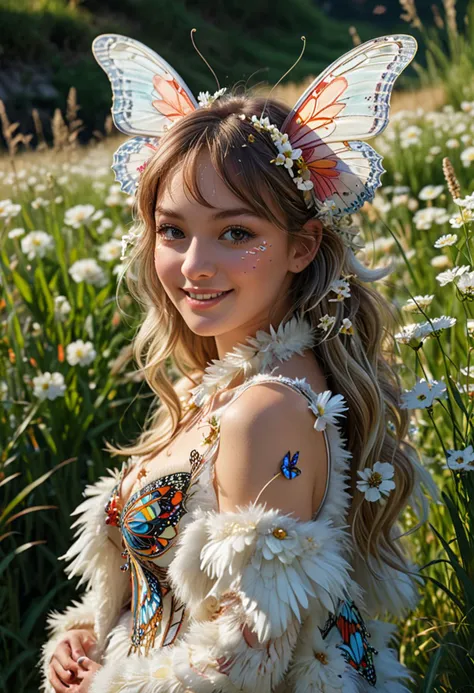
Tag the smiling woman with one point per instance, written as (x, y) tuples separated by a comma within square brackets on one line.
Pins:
[(202, 256), (258, 564)]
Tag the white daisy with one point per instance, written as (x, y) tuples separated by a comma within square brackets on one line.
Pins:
[(451, 274), (467, 201), (62, 308), (88, 270), (466, 284), (16, 233), (110, 251), (425, 218), (436, 325), (410, 335), (327, 407), (447, 239), (440, 261), (465, 216), (40, 202), (467, 156), (79, 352), (376, 482), (8, 209), (49, 386), (470, 327), (452, 143), (430, 192), (423, 394), (104, 225), (460, 459), (468, 371), (80, 214), (400, 200), (414, 304), (410, 136), (36, 244)]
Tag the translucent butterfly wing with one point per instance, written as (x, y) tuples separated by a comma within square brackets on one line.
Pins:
[(349, 101), (130, 160), (148, 94)]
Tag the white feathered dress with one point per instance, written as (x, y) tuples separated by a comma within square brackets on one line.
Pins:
[(216, 572)]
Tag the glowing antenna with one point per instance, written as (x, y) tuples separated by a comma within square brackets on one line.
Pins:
[(303, 38), (193, 31)]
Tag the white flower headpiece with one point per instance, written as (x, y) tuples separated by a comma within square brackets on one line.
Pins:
[(292, 157)]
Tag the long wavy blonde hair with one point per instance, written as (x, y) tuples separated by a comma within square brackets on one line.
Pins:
[(358, 366)]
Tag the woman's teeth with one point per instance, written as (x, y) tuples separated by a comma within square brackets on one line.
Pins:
[(204, 297)]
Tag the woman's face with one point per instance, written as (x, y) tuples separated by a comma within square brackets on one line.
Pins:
[(223, 248)]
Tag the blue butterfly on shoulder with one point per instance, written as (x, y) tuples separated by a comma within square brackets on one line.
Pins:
[(288, 466)]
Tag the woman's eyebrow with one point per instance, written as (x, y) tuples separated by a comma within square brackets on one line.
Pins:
[(223, 214)]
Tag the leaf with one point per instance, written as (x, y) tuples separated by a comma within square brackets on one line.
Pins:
[(23, 287), (36, 610), (30, 510), (9, 478), (461, 574), (432, 670), (27, 490), (445, 589), (463, 542), (20, 549)]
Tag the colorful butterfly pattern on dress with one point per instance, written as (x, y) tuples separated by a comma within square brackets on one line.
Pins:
[(148, 523), (355, 646), (288, 466), (345, 105)]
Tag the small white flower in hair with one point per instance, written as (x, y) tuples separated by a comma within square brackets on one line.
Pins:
[(342, 290), (205, 98), (326, 322), (376, 482), (346, 327), (304, 184)]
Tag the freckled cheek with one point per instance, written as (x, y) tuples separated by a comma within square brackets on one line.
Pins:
[(259, 256)]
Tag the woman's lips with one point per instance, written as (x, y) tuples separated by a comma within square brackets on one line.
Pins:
[(206, 303)]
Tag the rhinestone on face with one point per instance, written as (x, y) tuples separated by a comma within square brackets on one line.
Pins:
[(279, 533)]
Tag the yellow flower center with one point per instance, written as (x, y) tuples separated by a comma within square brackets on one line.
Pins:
[(320, 409), (421, 397), (279, 533), (321, 657), (375, 479)]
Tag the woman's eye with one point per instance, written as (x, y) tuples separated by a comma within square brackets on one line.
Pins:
[(239, 235), (164, 228), (242, 235)]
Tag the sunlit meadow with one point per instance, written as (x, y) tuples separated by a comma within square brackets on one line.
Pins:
[(67, 382)]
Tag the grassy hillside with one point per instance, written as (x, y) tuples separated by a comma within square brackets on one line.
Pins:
[(45, 45)]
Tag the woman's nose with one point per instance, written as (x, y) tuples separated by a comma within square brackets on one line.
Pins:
[(198, 261)]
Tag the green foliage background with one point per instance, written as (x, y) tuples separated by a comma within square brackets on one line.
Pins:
[(243, 41)]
